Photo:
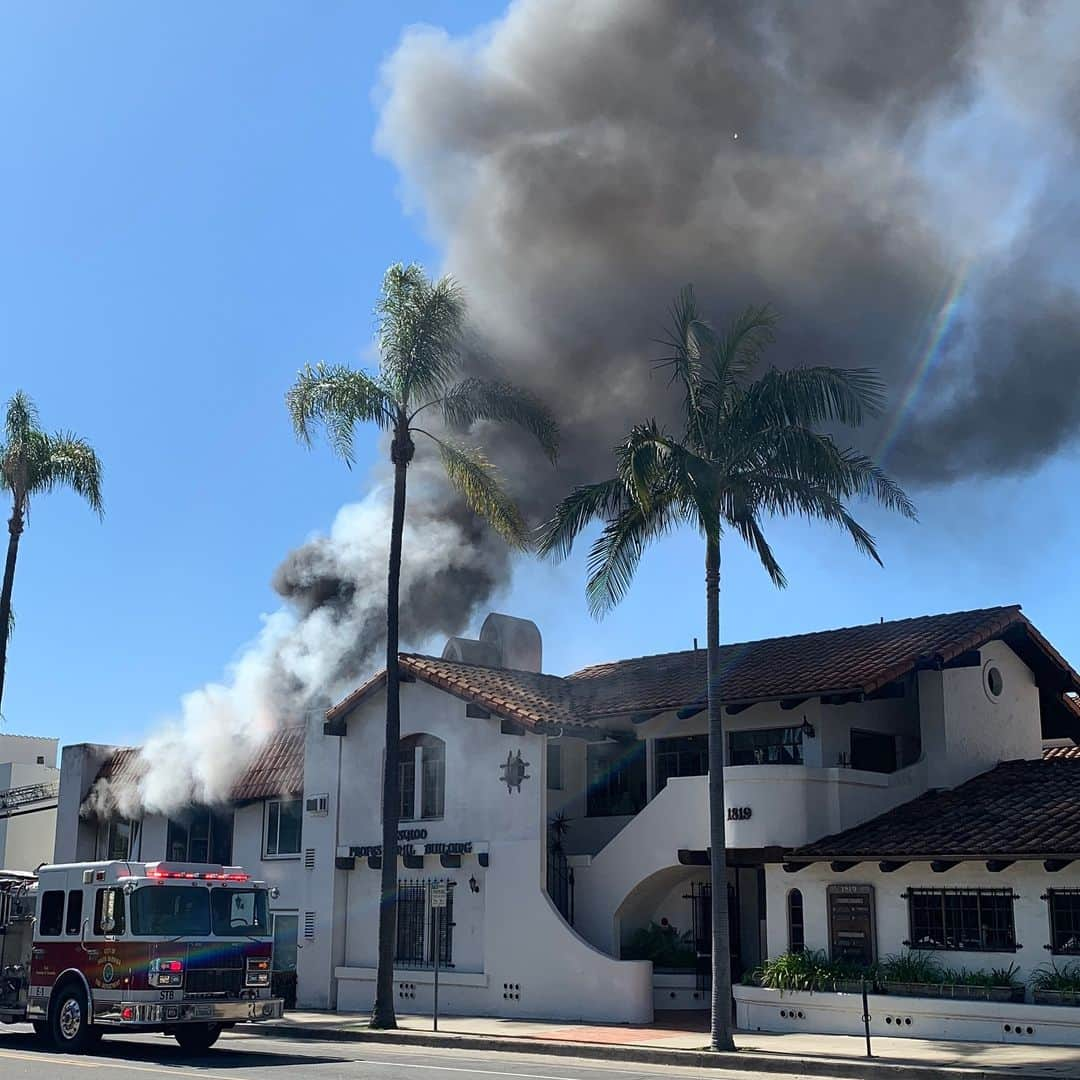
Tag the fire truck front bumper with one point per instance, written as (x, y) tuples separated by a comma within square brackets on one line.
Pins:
[(155, 1014)]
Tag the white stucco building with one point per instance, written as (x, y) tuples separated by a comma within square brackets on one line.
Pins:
[(568, 819), (29, 780)]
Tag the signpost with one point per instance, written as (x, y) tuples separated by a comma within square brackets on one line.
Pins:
[(439, 892)]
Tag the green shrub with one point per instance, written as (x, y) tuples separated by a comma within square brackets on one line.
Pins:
[(810, 970), (995, 977), (663, 945), (911, 967), (1051, 977)]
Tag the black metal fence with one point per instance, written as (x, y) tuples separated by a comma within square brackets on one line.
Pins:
[(560, 882)]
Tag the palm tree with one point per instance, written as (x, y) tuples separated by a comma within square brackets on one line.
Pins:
[(420, 325), (33, 462), (749, 447)]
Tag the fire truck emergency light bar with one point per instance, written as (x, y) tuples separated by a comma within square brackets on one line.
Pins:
[(161, 870)]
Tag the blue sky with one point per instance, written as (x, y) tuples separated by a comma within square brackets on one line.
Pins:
[(191, 208)]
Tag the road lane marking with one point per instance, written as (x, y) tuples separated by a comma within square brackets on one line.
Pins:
[(111, 1063), (474, 1072)]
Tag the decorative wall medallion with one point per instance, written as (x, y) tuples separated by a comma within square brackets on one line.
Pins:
[(514, 771)]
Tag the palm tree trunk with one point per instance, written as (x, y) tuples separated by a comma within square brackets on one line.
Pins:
[(15, 528), (383, 1014), (721, 945)]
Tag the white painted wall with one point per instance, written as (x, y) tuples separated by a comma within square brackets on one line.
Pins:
[(966, 731), (26, 749), (1027, 879), (510, 934)]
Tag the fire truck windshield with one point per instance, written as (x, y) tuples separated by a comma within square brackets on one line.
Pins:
[(170, 911), (239, 912)]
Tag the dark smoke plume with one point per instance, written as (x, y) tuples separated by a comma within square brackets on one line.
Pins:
[(895, 178)]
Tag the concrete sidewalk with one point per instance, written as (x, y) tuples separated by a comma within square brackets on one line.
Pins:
[(678, 1040)]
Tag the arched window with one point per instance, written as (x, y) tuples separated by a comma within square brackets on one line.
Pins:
[(423, 758), (795, 936)]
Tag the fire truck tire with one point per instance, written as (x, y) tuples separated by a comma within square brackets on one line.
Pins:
[(69, 1021), (194, 1038)]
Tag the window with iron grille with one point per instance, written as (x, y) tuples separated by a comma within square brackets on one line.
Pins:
[(1064, 907), (422, 928), (796, 933), (962, 920)]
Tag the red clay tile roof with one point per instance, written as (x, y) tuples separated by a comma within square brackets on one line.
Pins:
[(1023, 809), (276, 769), (858, 659)]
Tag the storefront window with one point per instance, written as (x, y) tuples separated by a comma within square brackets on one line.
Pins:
[(617, 781), (422, 928), (766, 746)]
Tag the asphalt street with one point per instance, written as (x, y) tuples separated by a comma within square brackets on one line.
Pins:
[(239, 1057)]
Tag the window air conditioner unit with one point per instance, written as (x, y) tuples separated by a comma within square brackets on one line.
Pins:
[(318, 805)]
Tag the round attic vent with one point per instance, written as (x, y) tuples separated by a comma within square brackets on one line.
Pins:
[(993, 681)]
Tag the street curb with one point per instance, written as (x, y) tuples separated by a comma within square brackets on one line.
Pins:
[(745, 1060)]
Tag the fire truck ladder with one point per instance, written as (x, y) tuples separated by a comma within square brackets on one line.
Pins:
[(19, 800)]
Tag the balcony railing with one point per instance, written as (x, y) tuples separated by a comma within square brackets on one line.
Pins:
[(29, 793)]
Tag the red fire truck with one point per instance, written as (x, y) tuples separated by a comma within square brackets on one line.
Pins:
[(182, 948)]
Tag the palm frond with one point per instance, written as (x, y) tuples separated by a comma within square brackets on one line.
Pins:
[(740, 350), (337, 398), (690, 339), (69, 461), (749, 528), (585, 504), (476, 480), (617, 551), (811, 396), (475, 399), (20, 418), (420, 326)]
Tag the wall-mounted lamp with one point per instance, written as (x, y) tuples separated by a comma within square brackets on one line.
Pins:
[(807, 729), (474, 885)]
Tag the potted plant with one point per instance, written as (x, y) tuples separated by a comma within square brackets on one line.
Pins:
[(809, 971), (998, 984), (1053, 985), (912, 974)]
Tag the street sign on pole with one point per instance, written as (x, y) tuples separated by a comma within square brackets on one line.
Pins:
[(439, 892)]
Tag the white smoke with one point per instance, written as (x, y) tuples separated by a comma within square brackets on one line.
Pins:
[(308, 654)]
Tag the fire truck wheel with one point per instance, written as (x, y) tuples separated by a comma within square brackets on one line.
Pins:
[(194, 1038), (69, 1023)]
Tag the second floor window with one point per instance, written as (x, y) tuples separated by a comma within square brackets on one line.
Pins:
[(964, 920), (766, 746), (422, 775), (617, 779), (202, 836), (685, 755), (120, 839), (284, 819)]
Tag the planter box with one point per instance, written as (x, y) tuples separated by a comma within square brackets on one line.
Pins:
[(956, 991), (1056, 997)]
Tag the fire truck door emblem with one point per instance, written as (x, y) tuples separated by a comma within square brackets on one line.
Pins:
[(108, 974), (514, 771)]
